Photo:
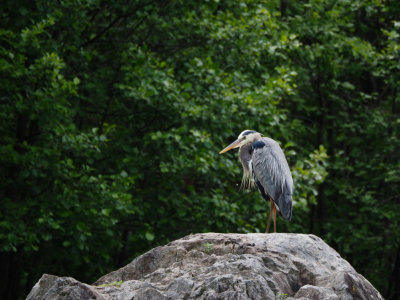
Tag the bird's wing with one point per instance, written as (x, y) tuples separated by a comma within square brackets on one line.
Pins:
[(272, 171)]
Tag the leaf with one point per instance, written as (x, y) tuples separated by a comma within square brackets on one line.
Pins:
[(149, 236)]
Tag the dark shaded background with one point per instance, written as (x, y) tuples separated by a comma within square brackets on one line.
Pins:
[(113, 114)]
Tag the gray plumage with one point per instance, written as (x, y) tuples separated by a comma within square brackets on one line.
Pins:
[(265, 166), (245, 155), (271, 169)]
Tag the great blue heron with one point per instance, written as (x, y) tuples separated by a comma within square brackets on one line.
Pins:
[(265, 165)]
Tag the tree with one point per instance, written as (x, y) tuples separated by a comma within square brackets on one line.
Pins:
[(113, 115)]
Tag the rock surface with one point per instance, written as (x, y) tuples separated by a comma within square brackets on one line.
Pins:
[(224, 266)]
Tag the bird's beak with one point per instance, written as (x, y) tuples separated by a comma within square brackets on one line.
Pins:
[(235, 144)]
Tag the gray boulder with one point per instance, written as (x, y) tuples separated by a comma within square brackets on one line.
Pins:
[(224, 266)]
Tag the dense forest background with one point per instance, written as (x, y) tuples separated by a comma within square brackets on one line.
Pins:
[(113, 114)]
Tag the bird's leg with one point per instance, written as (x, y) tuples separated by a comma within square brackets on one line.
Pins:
[(274, 210), (270, 214)]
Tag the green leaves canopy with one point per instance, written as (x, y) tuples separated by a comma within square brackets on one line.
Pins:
[(113, 115)]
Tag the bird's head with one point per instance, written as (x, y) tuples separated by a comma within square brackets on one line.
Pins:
[(247, 136)]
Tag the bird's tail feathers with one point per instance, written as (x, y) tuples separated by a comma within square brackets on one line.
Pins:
[(285, 206)]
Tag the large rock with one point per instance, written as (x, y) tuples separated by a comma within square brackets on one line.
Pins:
[(224, 266)]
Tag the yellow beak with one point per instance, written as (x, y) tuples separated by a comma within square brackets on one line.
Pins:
[(235, 144)]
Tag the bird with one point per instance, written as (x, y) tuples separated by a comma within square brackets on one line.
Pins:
[(265, 166)]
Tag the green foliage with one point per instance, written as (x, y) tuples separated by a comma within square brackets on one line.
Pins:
[(115, 283), (113, 115), (282, 296), (309, 174)]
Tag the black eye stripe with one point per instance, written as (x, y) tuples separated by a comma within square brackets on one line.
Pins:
[(248, 132)]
